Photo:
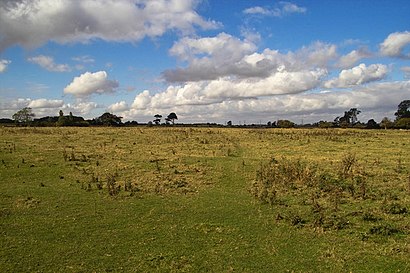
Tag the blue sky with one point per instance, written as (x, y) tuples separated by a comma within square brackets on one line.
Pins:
[(208, 61)]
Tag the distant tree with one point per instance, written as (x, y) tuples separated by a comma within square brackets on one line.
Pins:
[(352, 113), (324, 124), (348, 119), (386, 123), (229, 123), (372, 124), (108, 119), (402, 123), (157, 119), (45, 121), (403, 110), (24, 116), (283, 123), (6, 121), (62, 120), (171, 117)]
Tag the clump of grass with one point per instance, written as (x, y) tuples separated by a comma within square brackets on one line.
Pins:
[(347, 165), (296, 182), (395, 208), (384, 230), (112, 187)]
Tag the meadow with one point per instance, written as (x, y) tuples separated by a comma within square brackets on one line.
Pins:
[(173, 199)]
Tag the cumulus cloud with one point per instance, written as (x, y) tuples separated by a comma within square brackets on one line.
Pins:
[(350, 59), (49, 107), (358, 75), (376, 100), (33, 23), (222, 89), (3, 65), (224, 55), (406, 71), (90, 83), (118, 107), (45, 103), (208, 58), (82, 108), (48, 63), (394, 44), (283, 9)]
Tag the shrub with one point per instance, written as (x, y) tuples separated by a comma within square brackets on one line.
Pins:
[(385, 230), (281, 176)]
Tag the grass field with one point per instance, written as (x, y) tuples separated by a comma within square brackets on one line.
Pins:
[(166, 199)]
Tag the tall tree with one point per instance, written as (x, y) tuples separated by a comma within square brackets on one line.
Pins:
[(172, 117), (157, 119), (352, 113), (349, 118), (108, 119), (403, 110), (24, 115)]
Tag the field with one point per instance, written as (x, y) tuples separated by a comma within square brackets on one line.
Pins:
[(165, 199)]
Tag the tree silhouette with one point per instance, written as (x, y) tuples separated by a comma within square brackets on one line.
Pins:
[(403, 110), (24, 115), (349, 118), (171, 117), (157, 119), (108, 119)]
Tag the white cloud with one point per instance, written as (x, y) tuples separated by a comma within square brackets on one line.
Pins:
[(83, 59), (142, 100), (48, 63), (118, 107), (90, 83), (358, 75), (283, 9), (222, 89), (352, 58), (82, 108), (375, 100), (225, 55), (208, 58), (288, 7), (33, 23), (394, 44), (257, 10), (3, 65), (406, 71), (45, 103), (224, 46)]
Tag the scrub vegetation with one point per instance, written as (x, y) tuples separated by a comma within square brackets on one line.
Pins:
[(168, 199)]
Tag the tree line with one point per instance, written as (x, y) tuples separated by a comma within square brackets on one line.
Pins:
[(26, 117)]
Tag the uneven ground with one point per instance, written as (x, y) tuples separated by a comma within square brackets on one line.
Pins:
[(183, 199)]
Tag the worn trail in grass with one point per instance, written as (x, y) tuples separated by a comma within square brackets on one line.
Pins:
[(50, 223)]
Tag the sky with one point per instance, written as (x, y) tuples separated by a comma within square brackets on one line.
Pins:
[(208, 61)]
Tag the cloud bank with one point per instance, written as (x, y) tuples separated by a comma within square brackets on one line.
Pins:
[(35, 22)]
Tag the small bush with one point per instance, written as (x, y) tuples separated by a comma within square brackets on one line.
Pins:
[(370, 217), (395, 208), (384, 230), (347, 165)]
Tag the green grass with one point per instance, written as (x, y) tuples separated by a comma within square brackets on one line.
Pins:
[(191, 207)]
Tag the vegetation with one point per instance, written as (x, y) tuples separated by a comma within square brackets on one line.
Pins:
[(24, 117), (168, 199)]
